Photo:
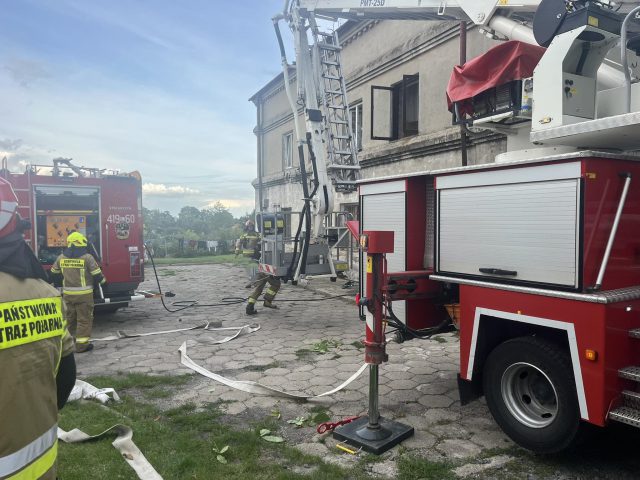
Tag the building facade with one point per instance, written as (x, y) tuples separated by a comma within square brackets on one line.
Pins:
[(396, 74)]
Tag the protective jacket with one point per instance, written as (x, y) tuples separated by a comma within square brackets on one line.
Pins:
[(79, 271), (33, 339), (249, 245)]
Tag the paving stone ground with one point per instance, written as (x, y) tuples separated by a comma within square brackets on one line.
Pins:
[(417, 385)]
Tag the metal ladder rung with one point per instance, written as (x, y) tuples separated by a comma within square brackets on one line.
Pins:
[(336, 107), (630, 416), (343, 167), (331, 77), (630, 373), (631, 399), (328, 46), (343, 152), (340, 122), (331, 62), (335, 92), (341, 137)]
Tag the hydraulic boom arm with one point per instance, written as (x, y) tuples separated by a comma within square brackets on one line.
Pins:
[(319, 94)]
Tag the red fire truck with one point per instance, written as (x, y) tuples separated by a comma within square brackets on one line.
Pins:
[(536, 257), (105, 206)]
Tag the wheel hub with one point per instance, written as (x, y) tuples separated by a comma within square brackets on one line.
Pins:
[(529, 395)]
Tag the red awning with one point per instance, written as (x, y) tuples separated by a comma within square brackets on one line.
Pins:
[(502, 64)]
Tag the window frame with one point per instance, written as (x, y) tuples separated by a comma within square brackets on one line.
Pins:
[(400, 127), (287, 152), (357, 108)]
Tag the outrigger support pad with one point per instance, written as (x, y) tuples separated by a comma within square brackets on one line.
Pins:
[(376, 441)]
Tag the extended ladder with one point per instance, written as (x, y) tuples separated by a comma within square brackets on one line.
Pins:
[(342, 162)]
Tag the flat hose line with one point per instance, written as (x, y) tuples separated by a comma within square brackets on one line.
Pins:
[(224, 302), (124, 434)]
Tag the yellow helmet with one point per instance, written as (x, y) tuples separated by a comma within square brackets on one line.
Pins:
[(76, 239)]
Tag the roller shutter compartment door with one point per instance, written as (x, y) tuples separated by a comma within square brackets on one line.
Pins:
[(524, 232), (387, 212)]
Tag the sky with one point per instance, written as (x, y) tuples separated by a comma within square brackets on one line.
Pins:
[(158, 86)]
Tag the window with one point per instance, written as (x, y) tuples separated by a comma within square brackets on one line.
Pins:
[(356, 125), (395, 110), (287, 150)]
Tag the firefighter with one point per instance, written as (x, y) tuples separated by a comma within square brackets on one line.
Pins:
[(79, 271), (36, 354), (249, 245)]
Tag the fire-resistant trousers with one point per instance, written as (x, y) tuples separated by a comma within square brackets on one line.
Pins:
[(79, 313), (261, 280)]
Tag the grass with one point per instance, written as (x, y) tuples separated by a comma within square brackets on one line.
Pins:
[(180, 442), (324, 346), (411, 467), (303, 353), (231, 259), (167, 273)]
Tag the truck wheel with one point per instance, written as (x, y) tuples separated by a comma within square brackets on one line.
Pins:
[(530, 390)]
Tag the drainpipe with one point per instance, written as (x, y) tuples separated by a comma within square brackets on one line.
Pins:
[(463, 60), (260, 135)]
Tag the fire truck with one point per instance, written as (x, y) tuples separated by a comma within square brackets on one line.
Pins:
[(535, 256), (104, 206)]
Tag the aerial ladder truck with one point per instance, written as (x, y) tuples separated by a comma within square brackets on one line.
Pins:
[(536, 256)]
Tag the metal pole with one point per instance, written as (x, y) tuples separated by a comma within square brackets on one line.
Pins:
[(374, 410), (614, 229), (463, 60)]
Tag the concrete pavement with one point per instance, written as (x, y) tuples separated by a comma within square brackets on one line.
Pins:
[(309, 346)]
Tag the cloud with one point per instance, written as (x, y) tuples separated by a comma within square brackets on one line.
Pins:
[(162, 190), (25, 72), (9, 145), (234, 204), (20, 154)]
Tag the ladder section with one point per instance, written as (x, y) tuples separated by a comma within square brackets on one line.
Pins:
[(342, 162)]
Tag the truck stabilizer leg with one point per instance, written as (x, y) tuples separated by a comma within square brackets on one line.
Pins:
[(372, 432)]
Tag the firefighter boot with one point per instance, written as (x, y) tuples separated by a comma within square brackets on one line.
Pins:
[(268, 304), (251, 309), (84, 347)]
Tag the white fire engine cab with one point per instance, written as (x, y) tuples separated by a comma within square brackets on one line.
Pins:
[(104, 206), (536, 256)]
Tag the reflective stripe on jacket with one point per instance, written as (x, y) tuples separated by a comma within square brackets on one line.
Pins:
[(34, 339), (247, 244), (77, 273)]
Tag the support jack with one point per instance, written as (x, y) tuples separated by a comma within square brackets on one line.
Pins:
[(373, 433)]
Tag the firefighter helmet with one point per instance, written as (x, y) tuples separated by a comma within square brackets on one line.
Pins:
[(76, 239), (249, 226), (8, 208)]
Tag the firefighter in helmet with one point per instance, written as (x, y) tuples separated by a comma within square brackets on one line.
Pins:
[(79, 271), (36, 353), (249, 245)]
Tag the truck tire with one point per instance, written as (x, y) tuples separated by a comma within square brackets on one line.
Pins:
[(530, 390)]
